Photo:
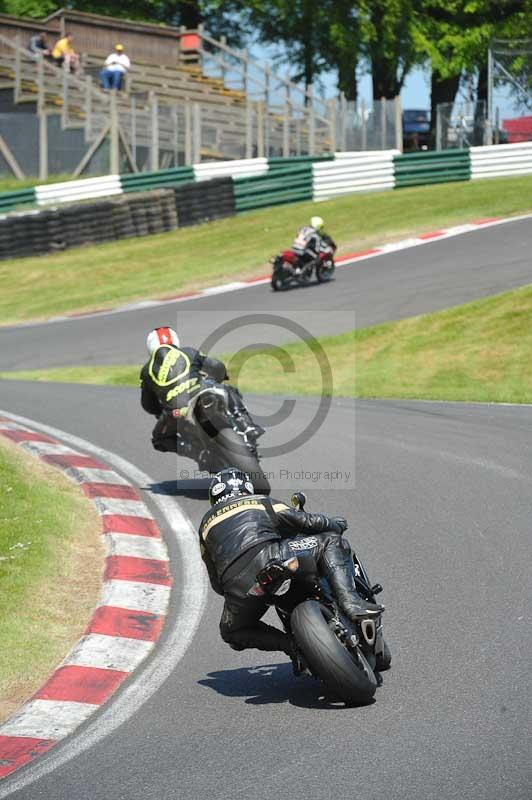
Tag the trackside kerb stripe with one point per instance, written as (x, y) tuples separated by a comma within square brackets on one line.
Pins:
[(125, 625)]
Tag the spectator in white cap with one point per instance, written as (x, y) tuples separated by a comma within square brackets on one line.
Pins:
[(116, 67)]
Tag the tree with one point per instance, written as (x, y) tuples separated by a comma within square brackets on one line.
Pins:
[(390, 47)]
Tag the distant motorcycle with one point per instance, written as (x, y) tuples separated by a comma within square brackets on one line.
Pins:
[(346, 656), (288, 271)]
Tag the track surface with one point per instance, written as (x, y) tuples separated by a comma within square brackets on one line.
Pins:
[(440, 513), (394, 286)]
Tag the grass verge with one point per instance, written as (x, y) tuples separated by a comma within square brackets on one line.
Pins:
[(50, 571), (475, 352), (104, 275)]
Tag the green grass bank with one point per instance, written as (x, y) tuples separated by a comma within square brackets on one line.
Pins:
[(50, 568), (479, 351), (154, 266)]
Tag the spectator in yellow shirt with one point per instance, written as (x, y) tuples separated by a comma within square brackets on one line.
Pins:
[(63, 54)]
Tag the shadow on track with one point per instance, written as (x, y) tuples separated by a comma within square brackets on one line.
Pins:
[(195, 489), (271, 683)]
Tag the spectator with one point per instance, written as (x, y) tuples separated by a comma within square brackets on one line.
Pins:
[(39, 45), (64, 54), (116, 67)]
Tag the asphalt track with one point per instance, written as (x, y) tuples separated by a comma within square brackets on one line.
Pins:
[(440, 513), (401, 284)]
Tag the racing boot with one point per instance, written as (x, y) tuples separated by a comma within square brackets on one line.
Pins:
[(243, 417), (340, 574)]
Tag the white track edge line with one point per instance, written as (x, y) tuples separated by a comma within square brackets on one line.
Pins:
[(169, 650)]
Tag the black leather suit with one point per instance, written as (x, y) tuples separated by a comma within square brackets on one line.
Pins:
[(168, 381), (239, 536)]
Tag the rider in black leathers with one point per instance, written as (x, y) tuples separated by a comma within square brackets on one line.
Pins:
[(243, 531), (170, 379)]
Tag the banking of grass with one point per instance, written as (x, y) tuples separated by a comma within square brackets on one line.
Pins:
[(105, 275), (50, 571), (479, 351)]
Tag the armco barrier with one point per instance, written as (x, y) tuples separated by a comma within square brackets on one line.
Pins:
[(204, 201), (162, 179), (289, 185), (86, 189), (9, 201), (245, 168), (354, 172), (504, 159), (441, 166)]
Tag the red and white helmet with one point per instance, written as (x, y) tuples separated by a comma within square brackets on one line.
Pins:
[(159, 336)]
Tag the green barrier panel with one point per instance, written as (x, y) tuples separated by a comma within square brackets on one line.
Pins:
[(20, 197), (143, 181), (416, 169), (287, 185)]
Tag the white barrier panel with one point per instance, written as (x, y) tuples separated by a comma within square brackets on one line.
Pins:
[(496, 161), (244, 168), (86, 189), (354, 172)]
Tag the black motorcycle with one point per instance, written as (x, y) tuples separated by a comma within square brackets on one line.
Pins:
[(347, 657), (287, 269), (223, 433)]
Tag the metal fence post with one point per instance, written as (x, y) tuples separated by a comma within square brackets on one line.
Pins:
[(17, 69), (260, 129), (188, 133), (343, 122), (332, 123), (286, 131), (113, 136), (88, 108), (154, 154), (196, 133), (383, 123), (497, 125), (364, 142), (249, 129), (398, 124), (311, 125), (43, 122), (439, 143), (64, 108)]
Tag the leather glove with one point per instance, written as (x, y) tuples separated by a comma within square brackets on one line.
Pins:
[(339, 524)]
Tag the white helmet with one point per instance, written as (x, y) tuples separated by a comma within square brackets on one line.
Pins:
[(159, 336), (317, 223)]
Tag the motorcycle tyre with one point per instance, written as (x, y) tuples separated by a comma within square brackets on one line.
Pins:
[(328, 658), (384, 659), (323, 276), (228, 450)]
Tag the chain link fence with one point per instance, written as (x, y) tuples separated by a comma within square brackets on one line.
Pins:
[(463, 124), (510, 90)]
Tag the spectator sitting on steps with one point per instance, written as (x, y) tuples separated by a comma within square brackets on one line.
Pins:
[(63, 54), (39, 45), (116, 66)]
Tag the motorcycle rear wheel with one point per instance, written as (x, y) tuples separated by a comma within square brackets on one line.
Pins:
[(228, 450), (348, 680), (277, 283)]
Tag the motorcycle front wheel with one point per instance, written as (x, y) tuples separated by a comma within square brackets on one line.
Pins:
[(229, 450), (347, 677), (324, 272)]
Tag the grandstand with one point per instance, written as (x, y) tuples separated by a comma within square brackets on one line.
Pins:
[(188, 98)]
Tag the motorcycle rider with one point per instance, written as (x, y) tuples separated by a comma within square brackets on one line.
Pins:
[(242, 532), (170, 379), (308, 242)]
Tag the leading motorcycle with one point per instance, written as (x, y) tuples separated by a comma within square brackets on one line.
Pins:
[(223, 433), (287, 269), (347, 657)]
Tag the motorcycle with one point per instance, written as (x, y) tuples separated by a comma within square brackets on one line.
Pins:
[(347, 657), (223, 433), (287, 269)]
